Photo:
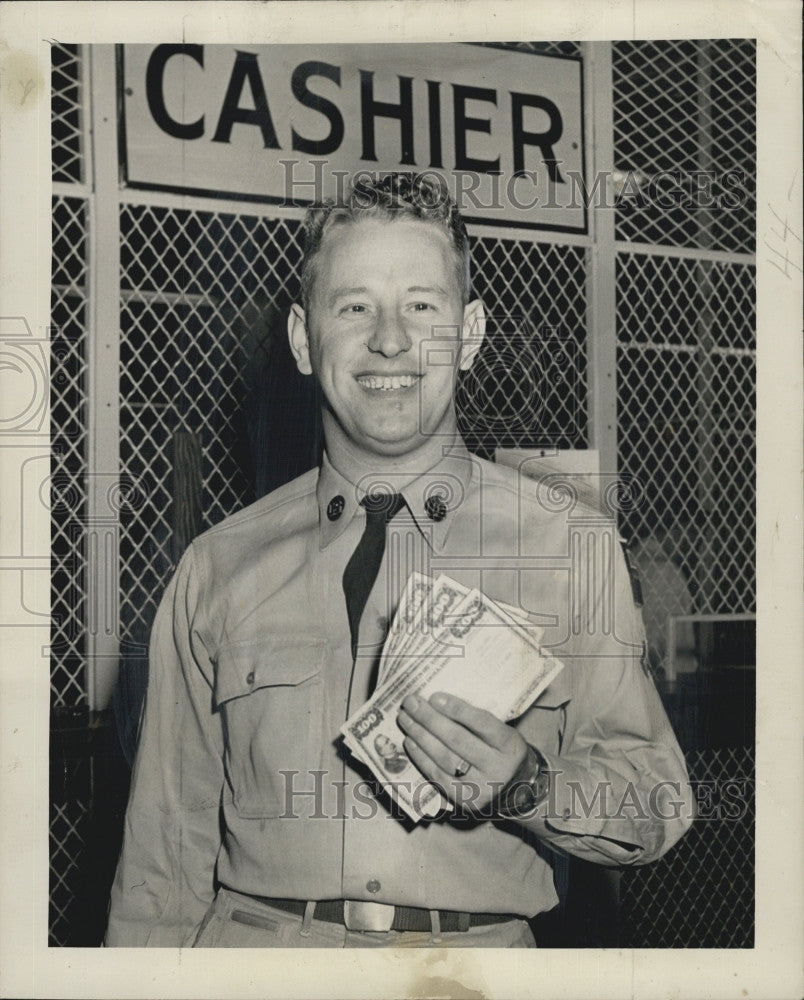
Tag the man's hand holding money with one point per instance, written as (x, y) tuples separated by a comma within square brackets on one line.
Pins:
[(435, 670), (468, 752)]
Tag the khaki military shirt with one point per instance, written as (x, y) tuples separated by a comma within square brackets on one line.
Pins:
[(241, 780)]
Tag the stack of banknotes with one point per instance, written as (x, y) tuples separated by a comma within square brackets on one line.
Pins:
[(445, 637)]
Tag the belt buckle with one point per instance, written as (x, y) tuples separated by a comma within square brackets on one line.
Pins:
[(359, 915)]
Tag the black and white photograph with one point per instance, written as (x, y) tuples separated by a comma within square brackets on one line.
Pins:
[(387, 524)]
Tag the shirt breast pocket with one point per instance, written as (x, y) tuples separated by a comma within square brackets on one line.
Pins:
[(270, 696)]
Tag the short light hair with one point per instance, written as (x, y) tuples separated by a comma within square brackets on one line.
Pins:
[(394, 195)]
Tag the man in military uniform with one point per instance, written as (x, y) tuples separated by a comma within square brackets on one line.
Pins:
[(249, 824)]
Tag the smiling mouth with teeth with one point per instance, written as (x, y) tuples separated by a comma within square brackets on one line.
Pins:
[(386, 383)]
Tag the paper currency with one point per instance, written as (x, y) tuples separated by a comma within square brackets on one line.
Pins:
[(445, 638), (424, 605)]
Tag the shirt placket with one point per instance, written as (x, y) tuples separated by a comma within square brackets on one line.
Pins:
[(377, 862)]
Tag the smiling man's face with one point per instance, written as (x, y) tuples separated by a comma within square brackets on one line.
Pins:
[(385, 333)]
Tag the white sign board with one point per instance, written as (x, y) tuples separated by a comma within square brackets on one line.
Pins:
[(287, 124)]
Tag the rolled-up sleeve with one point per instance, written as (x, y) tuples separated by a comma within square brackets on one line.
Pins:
[(620, 793), (165, 877)]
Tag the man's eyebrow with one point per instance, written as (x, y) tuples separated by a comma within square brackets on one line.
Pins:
[(339, 293), (428, 288), (350, 290)]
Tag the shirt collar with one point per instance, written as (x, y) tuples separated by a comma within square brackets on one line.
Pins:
[(433, 498)]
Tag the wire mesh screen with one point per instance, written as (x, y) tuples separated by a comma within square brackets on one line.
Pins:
[(686, 428), (701, 894), (69, 778), (68, 401), (683, 108), (70, 796), (527, 387), (686, 376), (202, 297), (173, 342), (68, 404), (66, 110)]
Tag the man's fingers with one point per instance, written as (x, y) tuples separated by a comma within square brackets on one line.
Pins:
[(428, 767), (445, 743), (464, 791), (483, 724)]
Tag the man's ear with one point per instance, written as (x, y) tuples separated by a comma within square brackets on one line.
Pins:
[(297, 337), (472, 333)]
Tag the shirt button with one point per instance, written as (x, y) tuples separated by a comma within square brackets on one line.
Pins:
[(335, 507), (250, 678), (373, 885)]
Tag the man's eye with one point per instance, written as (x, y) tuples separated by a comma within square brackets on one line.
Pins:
[(422, 306), (354, 308)]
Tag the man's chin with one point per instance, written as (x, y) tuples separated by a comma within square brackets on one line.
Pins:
[(384, 439), (393, 446)]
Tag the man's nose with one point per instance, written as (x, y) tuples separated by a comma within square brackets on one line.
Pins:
[(389, 336)]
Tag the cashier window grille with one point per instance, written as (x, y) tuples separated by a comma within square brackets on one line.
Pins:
[(204, 301), (68, 401), (69, 804), (66, 138), (701, 893), (686, 346), (683, 108)]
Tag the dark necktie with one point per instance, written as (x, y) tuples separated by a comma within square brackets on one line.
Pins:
[(362, 569)]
